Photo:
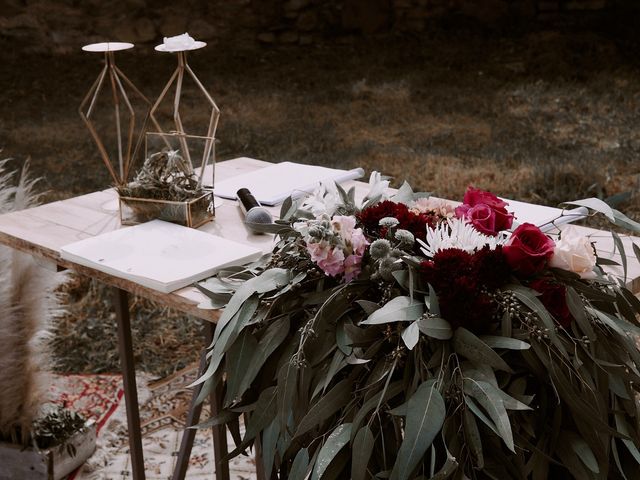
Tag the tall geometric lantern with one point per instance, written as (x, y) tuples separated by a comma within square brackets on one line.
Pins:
[(180, 45), (124, 148)]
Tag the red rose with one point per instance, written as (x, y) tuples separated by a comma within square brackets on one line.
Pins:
[(483, 218), (528, 250), (475, 206), (554, 299)]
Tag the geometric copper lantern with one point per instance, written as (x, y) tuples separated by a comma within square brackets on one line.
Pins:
[(180, 45), (117, 81)]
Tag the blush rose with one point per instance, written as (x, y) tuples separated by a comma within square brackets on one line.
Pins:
[(528, 250), (574, 252)]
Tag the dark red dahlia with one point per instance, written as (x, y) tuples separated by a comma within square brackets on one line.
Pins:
[(416, 223), (462, 281)]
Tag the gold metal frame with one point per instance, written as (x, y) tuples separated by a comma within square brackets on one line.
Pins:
[(118, 92), (178, 77)]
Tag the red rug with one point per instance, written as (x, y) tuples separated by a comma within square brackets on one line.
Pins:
[(163, 408)]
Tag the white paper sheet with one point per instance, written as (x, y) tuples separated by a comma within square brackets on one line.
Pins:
[(272, 185), (159, 255)]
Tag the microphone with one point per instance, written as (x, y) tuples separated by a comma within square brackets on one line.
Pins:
[(254, 213)]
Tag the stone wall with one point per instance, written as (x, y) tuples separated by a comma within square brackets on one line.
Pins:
[(64, 25)]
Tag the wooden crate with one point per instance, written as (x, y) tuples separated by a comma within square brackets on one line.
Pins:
[(17, 462)]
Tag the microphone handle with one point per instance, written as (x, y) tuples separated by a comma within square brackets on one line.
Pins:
[(247, 200)]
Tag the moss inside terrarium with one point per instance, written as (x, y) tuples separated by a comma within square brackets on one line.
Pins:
[(165, 175)]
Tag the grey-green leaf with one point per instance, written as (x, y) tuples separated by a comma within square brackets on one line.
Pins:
[(399, 309), (410, 335), (435, 327), (273, 337), (300, 465), (594, 204), (425, 416), (334, 443), (485, 394), (507, 343), (329, 404), (239, 358), (469, 346), (361, 453)]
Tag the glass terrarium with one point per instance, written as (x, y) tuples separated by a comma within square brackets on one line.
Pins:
[(174, 183)]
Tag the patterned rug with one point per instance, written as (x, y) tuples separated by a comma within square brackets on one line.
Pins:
[(163, 409)]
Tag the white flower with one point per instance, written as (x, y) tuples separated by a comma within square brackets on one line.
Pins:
[(324, 201), (389, 222), (574, 252), (179, 42), (377, 186), (457, 233)]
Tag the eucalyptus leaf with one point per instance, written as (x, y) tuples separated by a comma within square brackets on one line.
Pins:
[(492, 403), (530, 299), (286, 391), (262, 415), (473, 438), (425, 416), (239, 358), (581, 449), (334, 443), (300, 466), (268, 281), (411, 335), (620, 247), (398, 309), (507, 343), (469, 346), (362, 449), (227, 338), (435, 327), (594, 204), (368, 306), (269, 443), (270, 341), (329, 404)]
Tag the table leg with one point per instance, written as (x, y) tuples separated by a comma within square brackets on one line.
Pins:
[(125, 347), (219, 432)]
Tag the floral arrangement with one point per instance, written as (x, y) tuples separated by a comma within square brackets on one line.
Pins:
[(404, 337)]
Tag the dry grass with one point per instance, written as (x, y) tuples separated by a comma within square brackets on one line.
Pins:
[(538, 116)]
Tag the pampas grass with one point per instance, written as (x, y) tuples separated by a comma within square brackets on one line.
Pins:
[(27, 302)]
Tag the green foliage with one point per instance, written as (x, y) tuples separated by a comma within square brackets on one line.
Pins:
[(366, 380)]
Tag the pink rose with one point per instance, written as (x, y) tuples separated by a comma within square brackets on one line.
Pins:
[(528, 250), (475, 206)]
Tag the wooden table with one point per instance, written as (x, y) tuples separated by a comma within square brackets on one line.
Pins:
[(43, 230)]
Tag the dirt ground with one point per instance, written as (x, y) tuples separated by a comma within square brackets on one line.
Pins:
[(541, 115)]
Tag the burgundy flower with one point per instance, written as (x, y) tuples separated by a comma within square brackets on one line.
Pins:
[(491, 266), (554, 298), (486, 212), (416, 223), (461, 281), (528, 250)]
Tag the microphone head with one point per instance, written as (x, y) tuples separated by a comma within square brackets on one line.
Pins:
[(258, 215)]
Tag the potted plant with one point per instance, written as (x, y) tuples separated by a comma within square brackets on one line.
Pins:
[(36, 440)]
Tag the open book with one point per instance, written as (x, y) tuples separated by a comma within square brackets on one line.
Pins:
[(159, 255), (273, 184)]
